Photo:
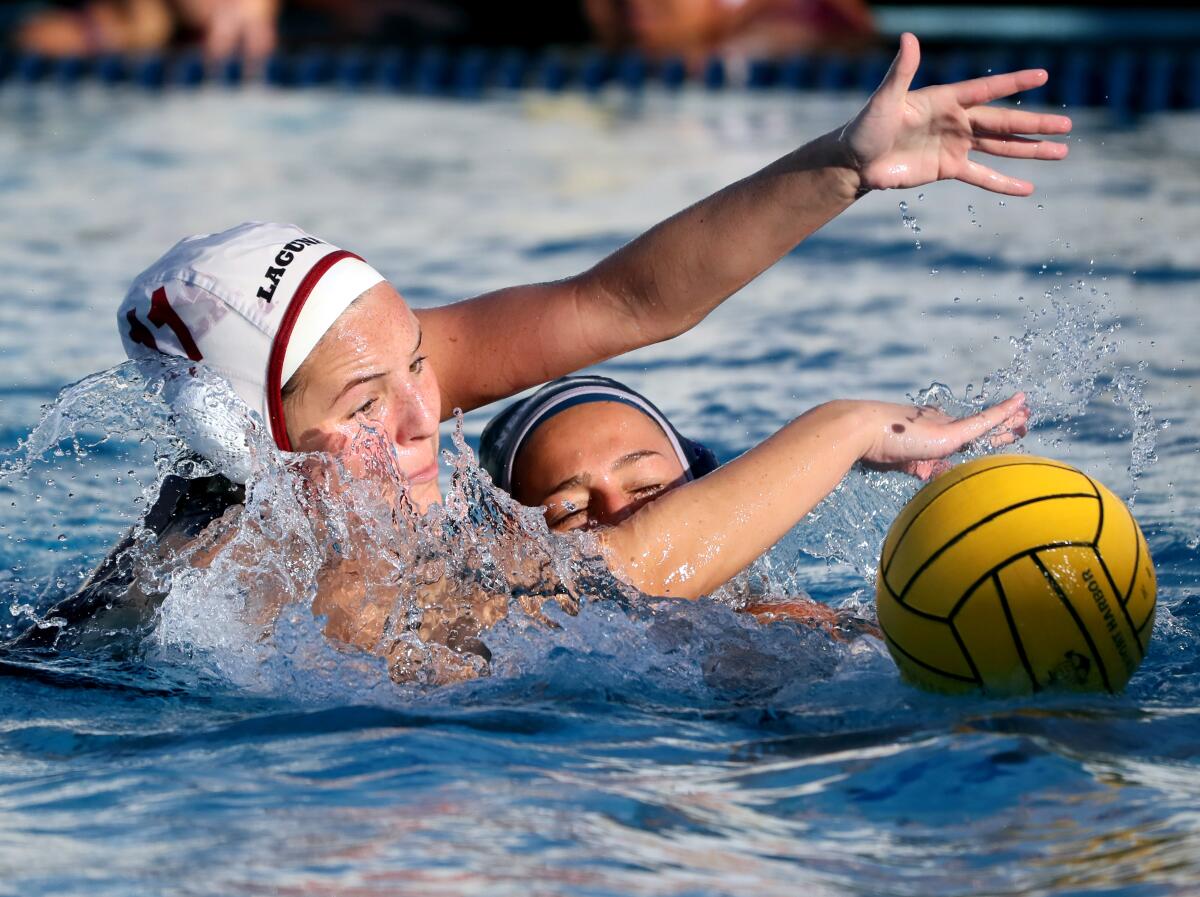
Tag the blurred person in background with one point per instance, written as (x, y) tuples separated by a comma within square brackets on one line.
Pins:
[(692, 29), (254, 28), (96, 27), (698, 29)]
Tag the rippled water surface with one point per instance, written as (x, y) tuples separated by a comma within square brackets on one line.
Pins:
[(639, 747)]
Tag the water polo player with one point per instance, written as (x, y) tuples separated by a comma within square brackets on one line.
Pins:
[(591, 451), (320, 346)]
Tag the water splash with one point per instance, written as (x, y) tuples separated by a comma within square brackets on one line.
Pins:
[(476, 591), (910, 222), (71, 485), (1063, 361)]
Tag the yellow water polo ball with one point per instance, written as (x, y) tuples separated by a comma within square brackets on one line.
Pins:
[(1015, 574)]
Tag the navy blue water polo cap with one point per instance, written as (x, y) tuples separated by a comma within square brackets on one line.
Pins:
[(507, 432)]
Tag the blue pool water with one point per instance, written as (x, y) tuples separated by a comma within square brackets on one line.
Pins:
[(641, 748)]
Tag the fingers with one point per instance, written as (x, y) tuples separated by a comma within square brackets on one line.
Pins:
[(996, 120), (993, 87), (971, 428), (989, 179), (1004, 421), (927, 470), (1013, 429), (904, 67), (1019, 147)]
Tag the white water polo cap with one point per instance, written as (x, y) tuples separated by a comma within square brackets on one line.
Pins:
[(251, 302)]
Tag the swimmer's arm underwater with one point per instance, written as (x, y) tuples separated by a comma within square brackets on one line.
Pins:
[(667, 280), (695, 538)]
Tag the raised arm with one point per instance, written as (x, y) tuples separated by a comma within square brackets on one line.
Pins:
[(695, 538), (668, 279)]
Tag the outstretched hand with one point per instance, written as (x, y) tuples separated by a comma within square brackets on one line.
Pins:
[(904, 138), (917, 439)]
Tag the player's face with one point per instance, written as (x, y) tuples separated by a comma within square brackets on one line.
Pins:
[(367, 377), (594, 465)]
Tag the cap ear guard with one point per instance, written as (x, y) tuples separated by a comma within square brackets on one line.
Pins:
[(701, 459), (214, 422), (494, 443)]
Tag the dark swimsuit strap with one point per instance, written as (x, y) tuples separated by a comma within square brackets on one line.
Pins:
[(183, 506)]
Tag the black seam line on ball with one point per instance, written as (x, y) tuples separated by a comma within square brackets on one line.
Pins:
[(1145, 622), (1100, 522), (1124, 608), (1087, 637), (956, 676), (912, 610), (1028, 552), (988, 519), (1137, 555), (1016, 636), (1122, 602), (962, 646), (954, 486)]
